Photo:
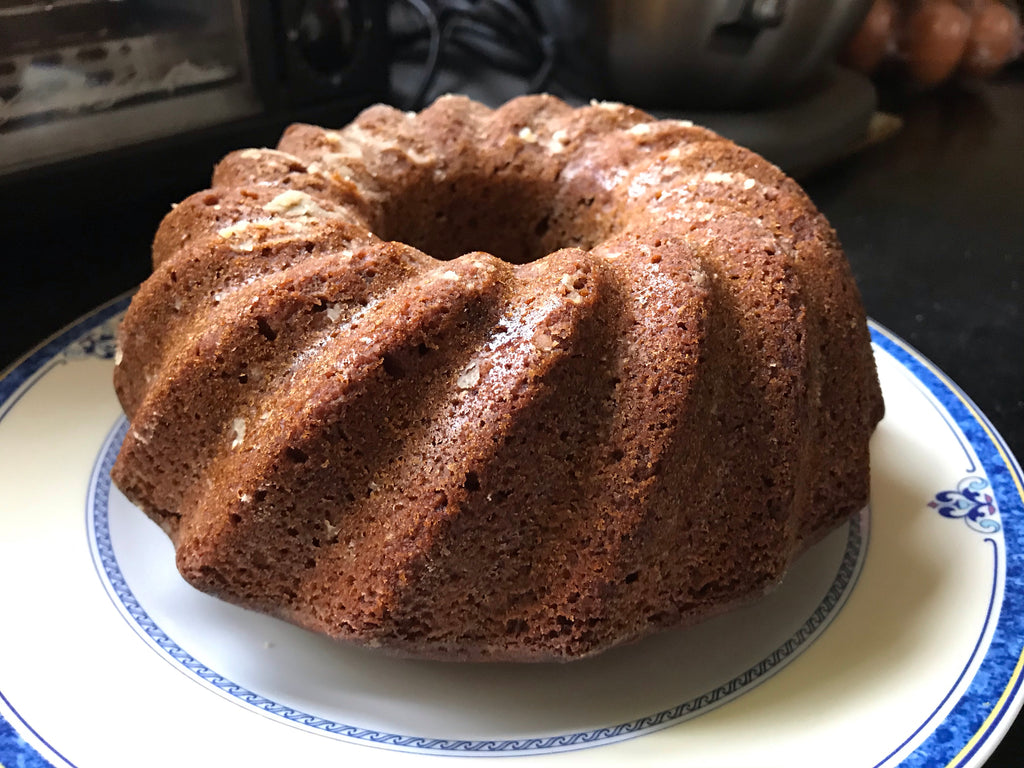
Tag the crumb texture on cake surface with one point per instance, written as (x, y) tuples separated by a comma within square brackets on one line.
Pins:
[(513, 384)]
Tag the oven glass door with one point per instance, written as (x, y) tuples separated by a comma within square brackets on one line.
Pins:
[(81, 76)]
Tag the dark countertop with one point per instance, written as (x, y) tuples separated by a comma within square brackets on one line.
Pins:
[(932, 221)]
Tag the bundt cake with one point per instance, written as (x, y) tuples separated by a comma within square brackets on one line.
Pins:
[(520, 384)]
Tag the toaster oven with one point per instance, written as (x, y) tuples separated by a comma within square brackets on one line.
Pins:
[(80, 78)]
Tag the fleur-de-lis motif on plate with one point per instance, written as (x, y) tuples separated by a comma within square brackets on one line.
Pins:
[(971, 502), (100, 341)]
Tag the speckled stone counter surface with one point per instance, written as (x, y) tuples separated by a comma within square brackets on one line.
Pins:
[(932, 221)]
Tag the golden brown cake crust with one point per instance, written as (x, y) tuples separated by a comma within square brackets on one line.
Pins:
[(520, 384)]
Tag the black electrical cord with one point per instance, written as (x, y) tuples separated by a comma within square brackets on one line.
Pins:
[(502, 34), (433, 61), (542, 77)]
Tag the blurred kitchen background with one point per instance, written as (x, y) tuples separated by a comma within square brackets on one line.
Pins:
[(85, 81)]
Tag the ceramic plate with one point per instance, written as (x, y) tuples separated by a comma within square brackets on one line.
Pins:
[(895, 641)]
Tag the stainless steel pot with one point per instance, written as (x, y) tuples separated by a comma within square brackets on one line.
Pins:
[(700, 53)]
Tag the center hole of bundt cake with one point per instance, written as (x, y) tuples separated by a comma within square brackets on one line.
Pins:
[(514, 217)]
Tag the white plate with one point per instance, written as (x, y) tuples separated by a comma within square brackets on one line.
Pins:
[(902, 650)]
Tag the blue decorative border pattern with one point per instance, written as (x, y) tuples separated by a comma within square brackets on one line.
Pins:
[(985, 709), (15, 752), (92, 335), (110, 573)]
